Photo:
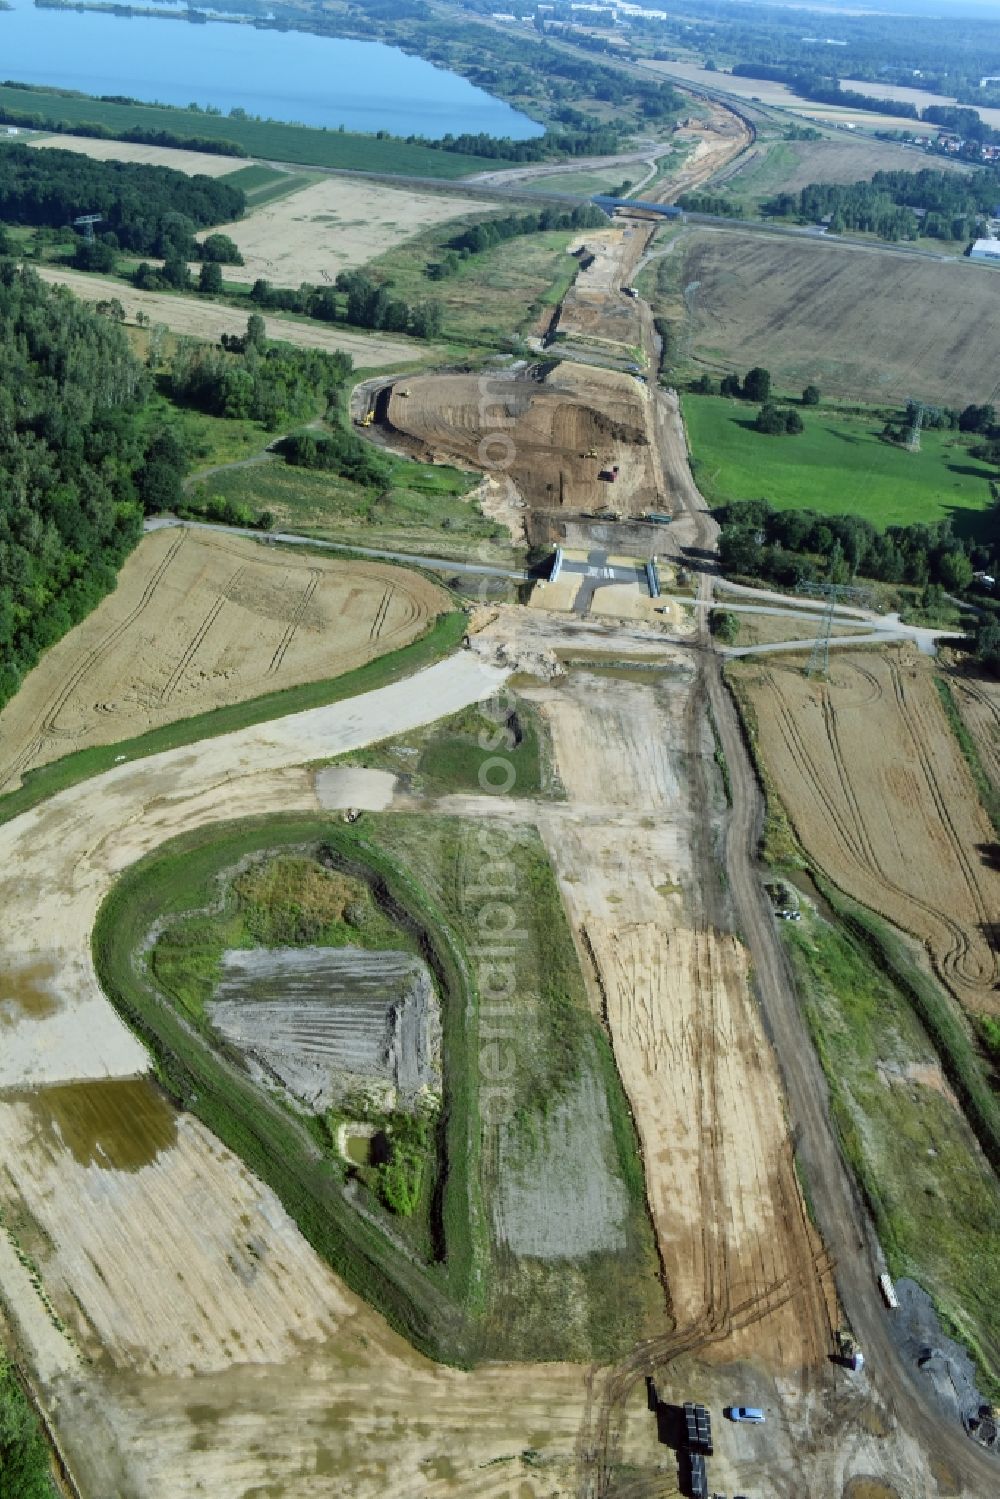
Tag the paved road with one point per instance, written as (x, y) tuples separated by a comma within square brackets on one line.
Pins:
[(289, 538)]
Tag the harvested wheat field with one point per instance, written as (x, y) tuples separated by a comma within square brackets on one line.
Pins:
[(880, 796), (558, 437), (838, 316), (333, 225), (194, 163), (197, 317), (200, 619), (789, 166)]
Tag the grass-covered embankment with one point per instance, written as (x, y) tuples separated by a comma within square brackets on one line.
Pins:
[(933, 1197), (443, 637), (438, 1269), (427, 1303)]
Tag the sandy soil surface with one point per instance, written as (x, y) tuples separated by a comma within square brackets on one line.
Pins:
[(194, 163), (552, 437), (594, 310), (877, 789), (704, 1089), (334, 225), (200, 619), (701, 1078), (819, 312), (200, 318)]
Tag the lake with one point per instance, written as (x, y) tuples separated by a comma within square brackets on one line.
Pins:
[(280, 75)]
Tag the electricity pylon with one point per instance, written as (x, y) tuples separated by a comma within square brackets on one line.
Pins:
[(819, 660)]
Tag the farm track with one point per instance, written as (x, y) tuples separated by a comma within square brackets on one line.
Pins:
[(197, 640), (303, 604)]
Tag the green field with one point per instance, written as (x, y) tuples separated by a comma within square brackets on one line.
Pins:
[(838, 465), (424, 509), (494, 298), (269, 138), (934, 1199), (263, 184), (433, 1288)]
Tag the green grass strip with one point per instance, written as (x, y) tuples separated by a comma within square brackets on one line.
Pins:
[(989, 795), (938, 1014), (443, 637)]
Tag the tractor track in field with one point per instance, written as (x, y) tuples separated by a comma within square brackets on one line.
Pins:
[(46, 720)]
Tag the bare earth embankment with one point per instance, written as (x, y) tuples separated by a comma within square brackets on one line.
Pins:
[(199, 620), (876, 787)]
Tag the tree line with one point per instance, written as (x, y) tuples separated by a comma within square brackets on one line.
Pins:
[(496, 230), (73, 455), (885, 205), (355, 299), (795, 546), (146, 210)]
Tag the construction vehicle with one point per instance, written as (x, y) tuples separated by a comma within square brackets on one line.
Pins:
[(590, 453), (367, 419), (630, 291), (403, 393), (848, 1352), (658, 518)]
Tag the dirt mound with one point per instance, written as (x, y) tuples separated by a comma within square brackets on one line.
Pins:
[(574, 439)]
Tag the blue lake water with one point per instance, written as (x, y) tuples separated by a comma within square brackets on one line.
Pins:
[(281, 75)]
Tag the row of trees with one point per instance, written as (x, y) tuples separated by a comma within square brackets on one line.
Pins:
[(792, 546), (884, 206), (146, 210), (355, 299), (74, 464), (496, 231)]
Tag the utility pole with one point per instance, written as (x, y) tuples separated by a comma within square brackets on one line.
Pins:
[(832, 593)]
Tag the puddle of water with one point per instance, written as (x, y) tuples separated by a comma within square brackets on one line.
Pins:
[(27, 992), (358, 1148), (119, 1126)]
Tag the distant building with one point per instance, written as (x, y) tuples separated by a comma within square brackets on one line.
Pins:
[(985, 249)]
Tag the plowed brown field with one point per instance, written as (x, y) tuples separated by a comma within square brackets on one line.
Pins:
[(878, 792), (541, 432), (814, 311), (198, 620)]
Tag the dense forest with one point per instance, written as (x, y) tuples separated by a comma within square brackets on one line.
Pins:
[(72, 464), (885, 206), (146, 210), (795, 546), (275, 384)]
